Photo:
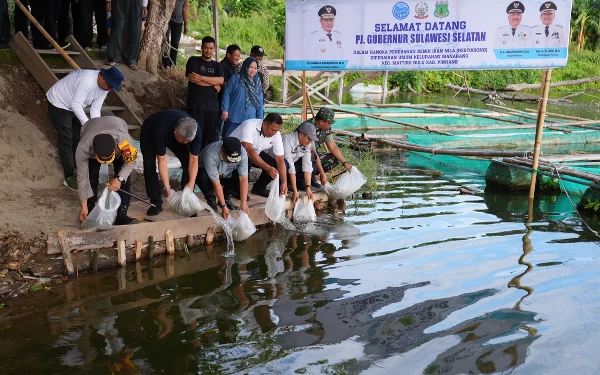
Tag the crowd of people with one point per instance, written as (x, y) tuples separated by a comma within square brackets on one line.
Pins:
[(221, 136)]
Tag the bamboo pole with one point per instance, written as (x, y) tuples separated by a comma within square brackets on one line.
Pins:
[(304, 94), (215, 6), (390, 120), (558, 115), (544, 165), (312, 111), (540, 130), (35, 23)]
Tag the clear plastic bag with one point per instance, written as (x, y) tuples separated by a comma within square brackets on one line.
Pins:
[(275, 206), (346, 185), (185, 202), (304, 211), (105, 212), (242, 227)]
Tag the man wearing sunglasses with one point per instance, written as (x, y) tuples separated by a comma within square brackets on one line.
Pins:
[(105, 140), (66, 100)]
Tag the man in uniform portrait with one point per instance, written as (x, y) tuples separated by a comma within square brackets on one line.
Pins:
[(514, 35), (325, 43), (547, 34)]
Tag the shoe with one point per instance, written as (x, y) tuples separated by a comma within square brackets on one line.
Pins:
[(122, 218), (314, 183), (153, 211), (230, 204), (87, 49), (233, 193), (65, 45), (212, 203), (103, 49), (71, 182), (260, 191)]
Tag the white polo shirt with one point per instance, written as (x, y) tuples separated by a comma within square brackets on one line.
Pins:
[(293, 151), (250, 131)]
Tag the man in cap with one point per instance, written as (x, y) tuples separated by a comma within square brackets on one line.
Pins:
[(297, 152), (258, 53), (217, 163), (181, 134), (325, 161), (66, 100), (547, 34), (515, 35), (105, 140), (257, 137), (325, 43)]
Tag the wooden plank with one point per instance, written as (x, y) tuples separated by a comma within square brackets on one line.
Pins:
[(138, 250), (32, 61), (121, 255), (66, 252), (54, 52), (61, 71), (169, 241)]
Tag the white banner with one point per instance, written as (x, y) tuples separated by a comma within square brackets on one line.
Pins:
[(426, 35)]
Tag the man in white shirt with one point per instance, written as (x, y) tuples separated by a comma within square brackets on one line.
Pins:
[(325, 43), (66, 100), (548, 34), (514, 35), (297, 152), (257, 136)]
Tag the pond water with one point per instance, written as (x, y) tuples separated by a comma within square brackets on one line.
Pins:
[(420, 279)]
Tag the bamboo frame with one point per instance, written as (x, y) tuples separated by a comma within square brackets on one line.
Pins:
[(540, 130)]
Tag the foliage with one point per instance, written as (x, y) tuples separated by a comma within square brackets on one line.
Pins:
[(592, 206)]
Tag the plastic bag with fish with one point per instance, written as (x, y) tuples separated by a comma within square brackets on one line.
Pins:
[(104, 214), (185, 202), (304, 211), (242, 227), (346, 185), (275, 206)]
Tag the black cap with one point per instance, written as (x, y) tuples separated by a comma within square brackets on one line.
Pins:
[(104, 148), (548, 6), (233, 149), (515, 7), (258, 50), (327, 12)]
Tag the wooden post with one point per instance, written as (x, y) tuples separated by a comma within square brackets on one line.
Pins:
[(284, 87), (539, 131), (385, 87), (215, 6), (303, 115), (328, 87), (170, 266), (210, 235), (121, 256), (66, 252), (151, 246), (138, 250), (170, 244), (122, 277), (341, 88)]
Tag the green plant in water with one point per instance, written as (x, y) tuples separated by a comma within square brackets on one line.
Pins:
[(595, 205)]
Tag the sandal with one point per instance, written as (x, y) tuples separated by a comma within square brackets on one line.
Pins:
[(133, 67), (112, 63)]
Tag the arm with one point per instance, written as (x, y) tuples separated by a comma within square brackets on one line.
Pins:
[(144, 8), (185, 17), (244, 194), (83, 182), (192, 171), (307, 177), (257, 160), (295, 194), (265, 78), (163, 172), (225, 102), (322, 175), (210, 81), (335, 151), (97, 106), (78, 99), (218, 189), (260, 111), (282, 174)]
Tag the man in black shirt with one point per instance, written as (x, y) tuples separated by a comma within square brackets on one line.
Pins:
[(179, 133), (205, 79)]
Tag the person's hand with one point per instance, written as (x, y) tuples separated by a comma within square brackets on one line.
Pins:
[(272, 172), (144, 12), (185, 29), (168, 192), (309, 193), (244, 207), (225, 212), (114, 185), (225, 115), (348, 167), (190, 185), (283, 189), (83, 213), (295, 196), (108, 5), (323, 178), (217, 87)]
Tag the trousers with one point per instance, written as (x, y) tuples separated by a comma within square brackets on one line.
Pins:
[(68, 129), (126, 17), (94, 171)]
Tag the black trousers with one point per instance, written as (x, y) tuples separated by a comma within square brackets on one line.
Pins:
[(68, 129), (208, 121), (182, 152), (4, 24), (88, 9), (173, 33), (21, 21), (44, 13), (64, 21), (206, 187), (94, 171)]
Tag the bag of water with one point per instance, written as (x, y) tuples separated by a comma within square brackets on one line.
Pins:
[(242, 227), (304, 211), (275, 206), (105, 212), (346, 185), (185, 202)]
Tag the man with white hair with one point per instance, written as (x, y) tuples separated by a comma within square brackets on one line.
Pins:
[(178, 132)]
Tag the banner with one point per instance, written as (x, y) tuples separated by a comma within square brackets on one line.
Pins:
[(426, 35)]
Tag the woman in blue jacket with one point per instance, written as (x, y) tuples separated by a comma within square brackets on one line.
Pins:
[(243, 97)]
